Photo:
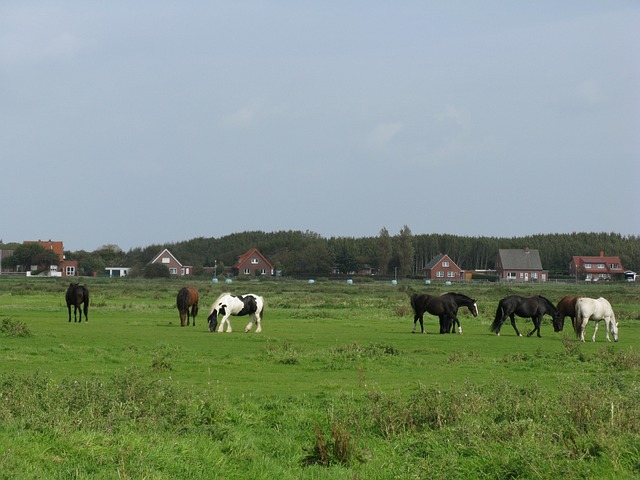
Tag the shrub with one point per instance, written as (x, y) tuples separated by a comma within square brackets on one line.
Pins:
[(13, 328)]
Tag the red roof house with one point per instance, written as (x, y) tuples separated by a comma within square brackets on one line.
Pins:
[(166, 258), (441, 267), (594, 268)]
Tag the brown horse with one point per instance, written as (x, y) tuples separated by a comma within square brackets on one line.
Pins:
[(567, 308), (77, 295), (187, 297)]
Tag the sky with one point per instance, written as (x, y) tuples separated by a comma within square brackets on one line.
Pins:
[(151, 122)]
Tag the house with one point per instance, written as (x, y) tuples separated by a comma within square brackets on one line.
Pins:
[(117, 271), (441, 267), (64, 267), (520, 265), (594, 268), (166, 258), (252, 263)]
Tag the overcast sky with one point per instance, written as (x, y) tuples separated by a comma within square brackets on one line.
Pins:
[(138, 123)]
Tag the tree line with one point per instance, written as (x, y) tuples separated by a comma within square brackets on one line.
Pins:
[(302, 253)]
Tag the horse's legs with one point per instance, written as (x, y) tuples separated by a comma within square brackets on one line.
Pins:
[(69, 308), (417, 317), (224, 320), (513, 324), (595, 329), (252, 320), (455, 321), (86, 312), (536, 326)]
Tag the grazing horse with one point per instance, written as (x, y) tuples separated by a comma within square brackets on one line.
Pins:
[(228, 304), (187, 297), (78, 295), (529, 307), (595, 309), (567, 308), (460, 301), (443, 306)]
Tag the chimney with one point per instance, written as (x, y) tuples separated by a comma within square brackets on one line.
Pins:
[(602, 253)]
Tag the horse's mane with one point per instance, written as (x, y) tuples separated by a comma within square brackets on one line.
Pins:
[(225, 294)]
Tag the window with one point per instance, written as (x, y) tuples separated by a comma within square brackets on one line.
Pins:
[(173, 271), (451, 274), (587, 265), (440, 274), (166, 260), (614, 266), (70, 271), (246, 271), (445, 264), (601, 265), (263, 272), (521, 274), (534, 275), (254, 261), (511, 275)]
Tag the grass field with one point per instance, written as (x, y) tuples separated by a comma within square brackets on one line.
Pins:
[(335, 386)]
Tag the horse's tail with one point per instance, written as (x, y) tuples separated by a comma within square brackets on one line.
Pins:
[(577, 320), (413, 301), (495, 326), (182, 301)]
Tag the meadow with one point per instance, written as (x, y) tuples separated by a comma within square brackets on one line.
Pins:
[(336, 386)]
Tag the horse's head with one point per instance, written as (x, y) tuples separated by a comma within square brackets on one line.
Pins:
[(558, 322), (213, 316), (473, 308), (614, 330)]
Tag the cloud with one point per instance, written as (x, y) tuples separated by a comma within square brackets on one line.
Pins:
[(453, 114), (382, 135), (241, 118), (588, 94)]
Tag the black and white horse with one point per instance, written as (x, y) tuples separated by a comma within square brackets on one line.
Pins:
[(237, 305)]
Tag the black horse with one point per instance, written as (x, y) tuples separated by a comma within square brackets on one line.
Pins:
[(444, 306), (78, 295), (529, 307), (460, 301)]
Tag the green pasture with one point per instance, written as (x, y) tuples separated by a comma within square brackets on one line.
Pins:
[(325, 391)]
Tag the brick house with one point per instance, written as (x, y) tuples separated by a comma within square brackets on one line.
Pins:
[(441, 267), (594, 268), (520, 265), (64, 268), (166, 258), (252, 263)]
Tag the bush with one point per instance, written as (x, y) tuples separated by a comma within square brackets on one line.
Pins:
[(12, 328)]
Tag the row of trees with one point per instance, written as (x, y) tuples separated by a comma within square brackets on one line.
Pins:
[(299, 253)]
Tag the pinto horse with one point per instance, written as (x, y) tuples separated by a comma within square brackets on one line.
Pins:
[(187, 297), (594, 309), (444, 306), (239, 305), (529, 307), (78, 295), (567, 308)]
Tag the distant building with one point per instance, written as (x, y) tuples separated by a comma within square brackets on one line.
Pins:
[(520, 265), (441, 267), (595, 268), (117, 271), (252, 263), (64, 267), (166, 258)]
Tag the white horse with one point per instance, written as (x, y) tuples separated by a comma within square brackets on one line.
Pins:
[(228, 304), (592, 309)]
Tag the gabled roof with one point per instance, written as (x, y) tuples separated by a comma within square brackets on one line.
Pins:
[(595, 259), (250, 253), (167, 252), (520, 259), (437, 259)]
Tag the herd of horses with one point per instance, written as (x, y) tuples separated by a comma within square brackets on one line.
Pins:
[(445, 306), (580, 309)]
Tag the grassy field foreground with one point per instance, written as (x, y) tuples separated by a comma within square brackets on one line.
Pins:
[(336, 386)]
